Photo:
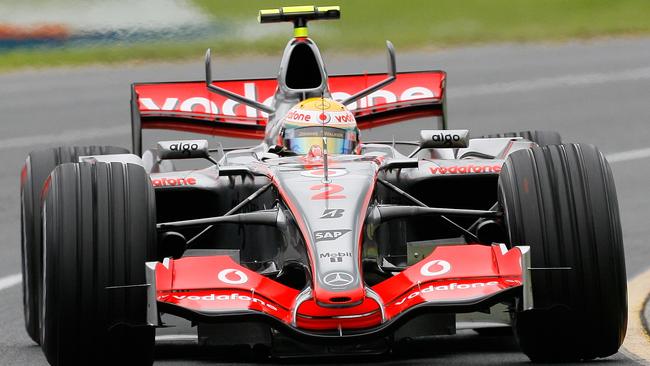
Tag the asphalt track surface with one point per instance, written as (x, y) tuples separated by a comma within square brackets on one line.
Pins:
[(595, 92)]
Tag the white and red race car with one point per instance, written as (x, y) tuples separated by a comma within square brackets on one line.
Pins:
[(334, 255)]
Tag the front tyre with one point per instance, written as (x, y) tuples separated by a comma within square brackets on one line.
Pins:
[(38, 166), (99, 230), (561, 201)]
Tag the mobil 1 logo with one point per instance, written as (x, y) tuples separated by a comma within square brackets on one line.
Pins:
[(336, 257)]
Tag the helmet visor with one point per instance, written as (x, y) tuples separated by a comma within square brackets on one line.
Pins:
[(339, 141)]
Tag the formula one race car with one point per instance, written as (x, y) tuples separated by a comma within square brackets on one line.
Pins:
[(314, 242)]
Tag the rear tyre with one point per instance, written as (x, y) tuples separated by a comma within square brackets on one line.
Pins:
[(542, 138), (561, 201), (99, 230), (37, 168)]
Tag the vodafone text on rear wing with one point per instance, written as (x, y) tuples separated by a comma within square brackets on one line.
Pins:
[(191, 107)]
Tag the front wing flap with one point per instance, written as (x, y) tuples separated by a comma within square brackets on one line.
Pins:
[(460, 278)]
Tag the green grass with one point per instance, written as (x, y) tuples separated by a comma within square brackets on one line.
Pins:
[(410, 24), (125, 53), (441, 23)]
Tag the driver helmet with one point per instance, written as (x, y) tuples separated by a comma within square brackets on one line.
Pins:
[(304, 126)]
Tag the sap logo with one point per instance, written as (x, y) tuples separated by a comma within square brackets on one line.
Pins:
[(332, 213), (335, 257), (173, 182), (326, 235), (184, 148)]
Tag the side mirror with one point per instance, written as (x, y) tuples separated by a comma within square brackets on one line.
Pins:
[(435, 139), (172, 244), (183, 149)]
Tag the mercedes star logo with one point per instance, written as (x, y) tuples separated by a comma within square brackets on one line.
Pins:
[(338, 279)]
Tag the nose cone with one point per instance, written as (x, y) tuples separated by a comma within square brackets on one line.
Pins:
[(331, 218)]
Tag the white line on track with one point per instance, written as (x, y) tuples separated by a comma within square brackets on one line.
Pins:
[(549, 83), (628, 155), (10, 281), (637, 339), (63, 137)]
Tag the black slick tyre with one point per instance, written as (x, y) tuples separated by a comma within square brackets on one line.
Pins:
[(38, 166), (99, 230), (561, 201), (542, 138)]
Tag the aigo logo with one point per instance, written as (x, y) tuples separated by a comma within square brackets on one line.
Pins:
[(184, 148), (435, 268), (447, 138), (232, 276)]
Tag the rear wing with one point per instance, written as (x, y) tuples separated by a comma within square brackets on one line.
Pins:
[(191, 107)]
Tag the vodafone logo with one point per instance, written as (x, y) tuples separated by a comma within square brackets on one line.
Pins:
[(173, 182), (324, 117), (466, 169), (230, 299), (232, 276), (454, 286), (435, 268), (192, 98)]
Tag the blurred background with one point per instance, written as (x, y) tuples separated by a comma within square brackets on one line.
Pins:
[(41, 33), (579, 67)]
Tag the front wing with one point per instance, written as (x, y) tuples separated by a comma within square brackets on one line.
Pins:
[(452, 279)]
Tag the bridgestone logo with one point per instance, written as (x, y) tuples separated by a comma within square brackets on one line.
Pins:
[(466, 169)]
